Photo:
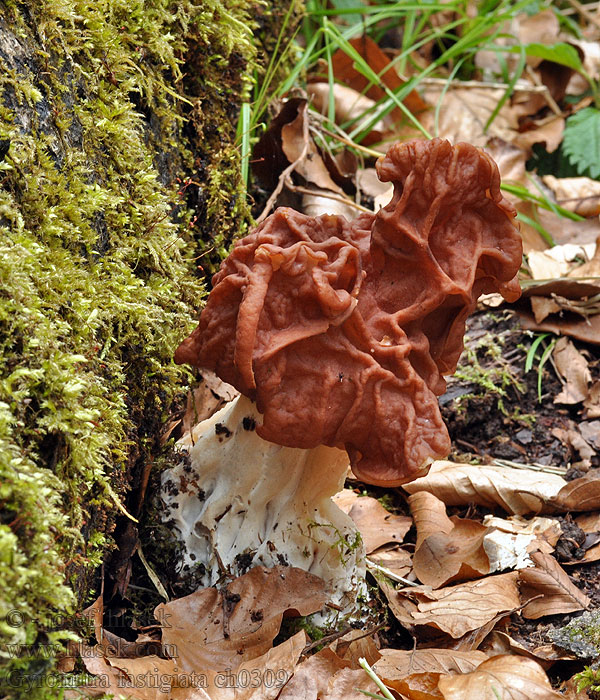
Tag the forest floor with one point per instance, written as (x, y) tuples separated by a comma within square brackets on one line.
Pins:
[(483, 576)]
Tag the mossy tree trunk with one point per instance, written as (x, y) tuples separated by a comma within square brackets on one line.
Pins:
[(118, 166)]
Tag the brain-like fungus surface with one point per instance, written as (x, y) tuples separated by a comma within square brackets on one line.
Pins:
[(341, 332)]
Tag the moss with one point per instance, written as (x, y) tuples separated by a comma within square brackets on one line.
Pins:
[(119, 118)]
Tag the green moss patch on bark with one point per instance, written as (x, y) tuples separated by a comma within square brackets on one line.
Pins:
[(116, 119)]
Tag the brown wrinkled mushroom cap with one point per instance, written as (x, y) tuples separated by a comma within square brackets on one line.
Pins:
[(341, 331)]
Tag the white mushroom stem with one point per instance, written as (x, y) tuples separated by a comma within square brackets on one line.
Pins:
[(240, 501)]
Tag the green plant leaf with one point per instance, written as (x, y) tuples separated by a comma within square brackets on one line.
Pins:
[(564, 54), (581, 141)]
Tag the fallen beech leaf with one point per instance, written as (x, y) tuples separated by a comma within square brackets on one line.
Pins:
[(498, 643), (317, 203), (345, 499), (573, 369), (368, 182), (394, 558), (325, 676), (592, 403), (459, 609), (573, 438), (580, 494), (447, 549), (311, 678), (586, 329), (355, 645), (548, 132), (465, 112), (348, 104), (256, 679), (297, 144), (518, 491), (542, 307), (206, 399), (376, 525), (147, 678), (578, 194), (347, 684), (588, 522), (395, 663), (417, 686), (500, 678), (346, 73), (549, 579), (221, 629)]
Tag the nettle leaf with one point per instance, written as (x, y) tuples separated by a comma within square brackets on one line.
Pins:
[(564, 54), (581, 141)]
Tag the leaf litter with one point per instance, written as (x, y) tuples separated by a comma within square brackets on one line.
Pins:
[(479, 568)]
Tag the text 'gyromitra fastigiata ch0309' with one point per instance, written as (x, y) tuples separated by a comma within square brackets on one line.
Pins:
[(338, 335)]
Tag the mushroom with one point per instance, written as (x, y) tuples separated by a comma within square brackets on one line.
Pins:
[(338, 335)]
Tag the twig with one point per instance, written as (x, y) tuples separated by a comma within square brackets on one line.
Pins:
[(535, 467), (390, 574), (323, 193), (288, 171), (585, 12), (519, 87), (549, 99)]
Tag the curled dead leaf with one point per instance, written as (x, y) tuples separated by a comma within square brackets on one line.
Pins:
[(500, 678), (221, 629), (518, 491), (458, 609), (573, 370), (377, 525), (580, 495), (447, 549), (550, 581)]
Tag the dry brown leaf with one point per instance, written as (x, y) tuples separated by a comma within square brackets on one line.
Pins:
[(348, 104), (355, 645), (393, 558), (325, 676), (417, 686), (465, 112), (459, 609), (346, 73), (573, 438), (549, 133), (500, 678), (318, 202), (311, 678), (256, 679), (147, 678), (587, 330), (518, 491), (549, 580), (578, 194), (581, 494), (206, 399), (542, 307), (221, 629), (588, 522), (447, 549), (348, 683), (396, 664), (592, 403), (498, 643), (573, 369), (371, 185), (298, 146), (376, 525)]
